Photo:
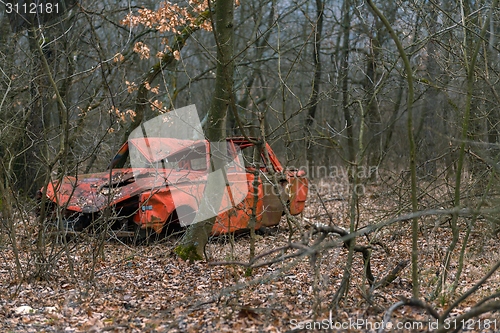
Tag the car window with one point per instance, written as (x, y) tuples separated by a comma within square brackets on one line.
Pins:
[(192, 158), (170, 164), (199, 164)]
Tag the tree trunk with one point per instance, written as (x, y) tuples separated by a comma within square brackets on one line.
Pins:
[(374, 120), (314, 99), (427, 129), (345, 80), (193, 243)]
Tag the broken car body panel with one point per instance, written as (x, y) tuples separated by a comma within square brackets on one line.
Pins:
[(169, 186)]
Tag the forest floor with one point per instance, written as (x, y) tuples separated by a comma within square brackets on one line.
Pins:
[(149, 289)]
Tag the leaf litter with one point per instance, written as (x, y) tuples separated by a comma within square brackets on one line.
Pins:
[(147, 288)]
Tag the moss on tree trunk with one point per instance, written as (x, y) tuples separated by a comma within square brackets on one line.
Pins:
[(188, 252)]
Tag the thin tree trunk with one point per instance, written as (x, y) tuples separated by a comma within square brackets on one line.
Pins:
[(411, 138), (346, 23), (314, 99)]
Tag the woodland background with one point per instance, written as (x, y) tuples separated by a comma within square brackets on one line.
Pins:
[(391, 107)]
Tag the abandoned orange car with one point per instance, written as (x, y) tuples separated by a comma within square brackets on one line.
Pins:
[(168, 185)]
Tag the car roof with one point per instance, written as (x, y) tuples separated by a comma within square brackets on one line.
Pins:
[(158, 148)]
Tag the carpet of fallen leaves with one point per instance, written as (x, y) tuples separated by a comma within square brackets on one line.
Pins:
[(147, 288)]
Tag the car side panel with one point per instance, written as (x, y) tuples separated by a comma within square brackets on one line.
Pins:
[(156, 206), (298, 187), (154, 209), (272, 204), (239, 217)]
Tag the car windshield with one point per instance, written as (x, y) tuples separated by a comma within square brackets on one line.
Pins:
[(161, 153)]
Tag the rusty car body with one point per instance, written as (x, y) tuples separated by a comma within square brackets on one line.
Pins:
[(167, 187)]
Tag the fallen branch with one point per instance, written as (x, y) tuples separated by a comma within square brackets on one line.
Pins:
[(303, 250), (393, 274), (365, 250)]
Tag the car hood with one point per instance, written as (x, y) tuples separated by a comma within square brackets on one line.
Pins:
[(91, 193)]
